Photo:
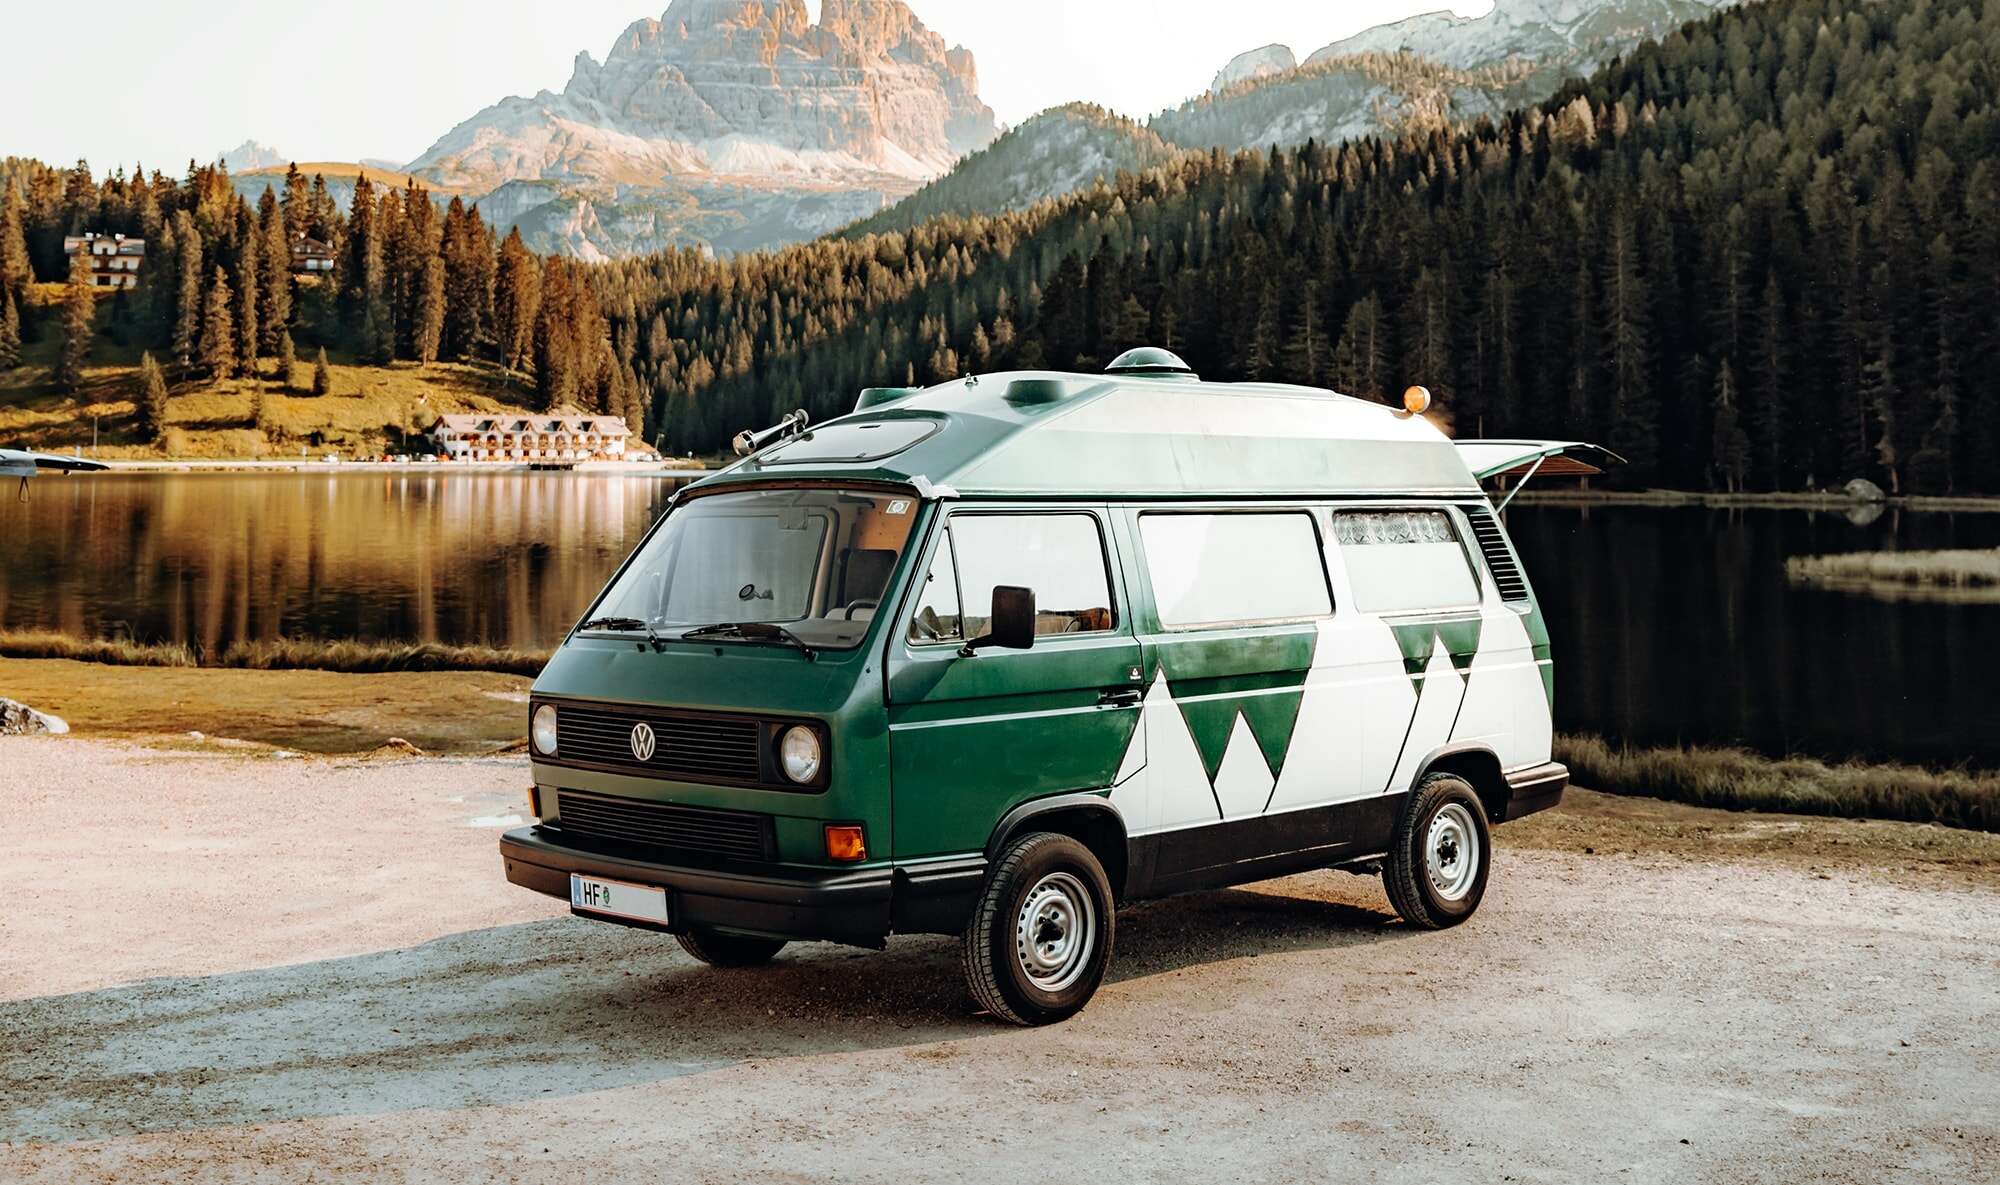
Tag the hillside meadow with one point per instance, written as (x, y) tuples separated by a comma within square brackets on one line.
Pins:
[(371, 409)]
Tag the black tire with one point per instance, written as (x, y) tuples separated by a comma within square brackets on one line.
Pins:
[(1070, 892), (1433, 903), (729, 950)]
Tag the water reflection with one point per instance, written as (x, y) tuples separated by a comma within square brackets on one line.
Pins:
[(207, 559), (1669, 624), (1679, 625)]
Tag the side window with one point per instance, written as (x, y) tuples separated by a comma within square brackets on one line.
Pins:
[(937, 617), (1402, 561), (1060, 556), (1226, 569)]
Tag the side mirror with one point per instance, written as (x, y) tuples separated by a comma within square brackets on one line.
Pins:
[(1012, 625)]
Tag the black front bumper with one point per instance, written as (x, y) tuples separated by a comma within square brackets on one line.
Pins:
[(1535, 789), (838, 905)]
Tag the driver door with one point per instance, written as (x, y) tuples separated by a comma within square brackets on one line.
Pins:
[(972, 736)]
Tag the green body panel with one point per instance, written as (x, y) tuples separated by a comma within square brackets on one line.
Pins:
[(1258, 671), (1417, 639), (972, 737), (841, 688)]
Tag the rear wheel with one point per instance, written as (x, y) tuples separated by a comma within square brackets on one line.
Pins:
[(1439, 855), (729, 950), (1040, 938)]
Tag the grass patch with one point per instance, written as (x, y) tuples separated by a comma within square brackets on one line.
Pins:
[(371, 409), (1901, 572), (285, 654), (309, 711), (1736, 779), (30, 644), (367, 658)]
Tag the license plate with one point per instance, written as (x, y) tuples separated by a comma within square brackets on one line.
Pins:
[(594, 894)]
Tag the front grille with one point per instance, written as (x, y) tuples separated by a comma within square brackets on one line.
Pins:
[(1499, 558), (665, 827), (691, 748)]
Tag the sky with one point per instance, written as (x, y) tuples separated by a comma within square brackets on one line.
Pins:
[(383, 79)]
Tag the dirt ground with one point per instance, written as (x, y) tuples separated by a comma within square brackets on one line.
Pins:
[(312, 711), (231, 966)]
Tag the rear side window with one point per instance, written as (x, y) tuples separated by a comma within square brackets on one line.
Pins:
[(1060, 556), (1402, 561), (1225, 569)]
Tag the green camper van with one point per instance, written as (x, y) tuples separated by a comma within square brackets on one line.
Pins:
[(989, 658)]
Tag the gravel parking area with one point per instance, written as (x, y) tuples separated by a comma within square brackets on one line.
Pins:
[(224, 966)]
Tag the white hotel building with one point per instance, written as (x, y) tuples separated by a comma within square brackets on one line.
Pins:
[(529, 438)]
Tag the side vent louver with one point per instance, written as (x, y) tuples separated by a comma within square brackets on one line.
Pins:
[(1499, 557)]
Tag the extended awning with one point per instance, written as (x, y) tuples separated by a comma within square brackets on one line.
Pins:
[(22, 463), (1526, 458), (1559, 458)]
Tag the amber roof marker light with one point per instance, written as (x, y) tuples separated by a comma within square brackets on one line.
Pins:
[(1417, 400)]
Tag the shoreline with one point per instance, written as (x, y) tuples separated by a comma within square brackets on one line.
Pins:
[(375, 468), (1579, 498), (470, 710), (1779, 500)]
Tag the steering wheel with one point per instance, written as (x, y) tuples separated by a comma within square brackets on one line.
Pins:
[(853, 605)]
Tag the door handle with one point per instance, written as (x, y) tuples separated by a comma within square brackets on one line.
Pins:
[(1120, 697)]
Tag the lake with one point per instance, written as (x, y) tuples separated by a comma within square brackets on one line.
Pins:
[(1669, 624)]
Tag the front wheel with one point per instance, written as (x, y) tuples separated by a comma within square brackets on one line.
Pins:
[(1439, 854), (729, 950), (1040, 938)]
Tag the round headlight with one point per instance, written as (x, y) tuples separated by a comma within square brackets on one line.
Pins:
[(798, 752), (543, 731)]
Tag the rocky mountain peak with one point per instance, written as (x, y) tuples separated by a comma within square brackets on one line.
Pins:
[(1254, 63), (738, 88)]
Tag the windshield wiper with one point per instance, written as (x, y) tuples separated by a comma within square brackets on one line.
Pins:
[(753, 631), (625, 625)]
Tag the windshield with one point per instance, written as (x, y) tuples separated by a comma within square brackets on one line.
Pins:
[(814, 561)]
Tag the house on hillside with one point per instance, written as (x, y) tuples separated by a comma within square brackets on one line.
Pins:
[(310, 255), (515, 437), (114, 259)]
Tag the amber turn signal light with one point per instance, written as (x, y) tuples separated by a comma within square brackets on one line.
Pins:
[(843, 843)]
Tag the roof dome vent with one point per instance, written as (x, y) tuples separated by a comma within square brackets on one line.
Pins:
[(1150, 360)]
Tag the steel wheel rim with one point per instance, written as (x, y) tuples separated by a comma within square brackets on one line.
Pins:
[(1055, 931), (1451, 852)]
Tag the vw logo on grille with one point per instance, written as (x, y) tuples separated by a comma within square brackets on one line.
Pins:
[(642, 741)]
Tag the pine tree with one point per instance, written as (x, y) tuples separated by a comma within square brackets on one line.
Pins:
[(1729, 446), (1262, 356), (216, 353), (378, 326), (274, 291), (249, 278), (1360, 361), (1305, 349), (10, 331), (79, 325), (555, 367), (1427, 326), (187, 295), (322, 375), (1769, 375), (149, 402), (516, 302), (1634, 403), (15, 270), (287, 359), (430, 312)]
